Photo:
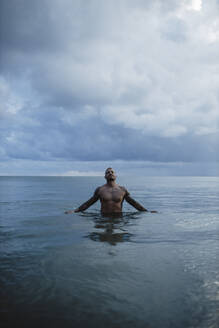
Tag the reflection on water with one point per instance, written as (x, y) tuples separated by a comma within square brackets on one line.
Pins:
[(111, 228)]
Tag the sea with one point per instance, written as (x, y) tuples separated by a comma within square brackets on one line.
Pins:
[(140, 270)]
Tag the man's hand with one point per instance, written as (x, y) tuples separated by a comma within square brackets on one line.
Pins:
[(73, 211)]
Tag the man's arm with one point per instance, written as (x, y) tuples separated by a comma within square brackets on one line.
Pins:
[(135, 204), (87, 204)]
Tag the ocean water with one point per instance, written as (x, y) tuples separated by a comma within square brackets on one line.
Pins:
[(83, 270)]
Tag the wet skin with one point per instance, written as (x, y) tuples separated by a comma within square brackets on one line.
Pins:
[(111, 197)]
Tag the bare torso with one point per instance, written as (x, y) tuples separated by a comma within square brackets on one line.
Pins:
[(111, 198)]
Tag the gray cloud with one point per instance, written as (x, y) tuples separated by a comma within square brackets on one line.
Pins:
[(101, 81)]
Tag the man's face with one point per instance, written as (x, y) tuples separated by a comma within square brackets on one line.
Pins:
[(110, 174)]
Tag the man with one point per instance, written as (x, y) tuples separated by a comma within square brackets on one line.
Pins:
[(111, 197)]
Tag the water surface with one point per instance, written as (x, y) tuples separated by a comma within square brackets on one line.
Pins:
[(84, 270)]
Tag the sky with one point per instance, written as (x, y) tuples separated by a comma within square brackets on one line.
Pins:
[(88, 84)]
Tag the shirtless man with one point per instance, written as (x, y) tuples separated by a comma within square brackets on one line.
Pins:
[(111, 197)]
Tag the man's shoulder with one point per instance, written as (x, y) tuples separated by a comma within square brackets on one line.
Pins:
[(98, 189), (124, 190)]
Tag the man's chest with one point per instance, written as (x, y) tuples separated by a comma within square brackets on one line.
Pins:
[(112, 194)]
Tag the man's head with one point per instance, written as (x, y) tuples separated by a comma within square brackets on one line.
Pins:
[(110, 174)]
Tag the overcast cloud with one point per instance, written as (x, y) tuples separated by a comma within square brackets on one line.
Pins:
[(107, 81)]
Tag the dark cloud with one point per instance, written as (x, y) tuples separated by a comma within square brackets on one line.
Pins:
[(46, 136), (102, 81)]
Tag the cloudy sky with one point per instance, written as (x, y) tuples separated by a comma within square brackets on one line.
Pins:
[(87, 84)]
